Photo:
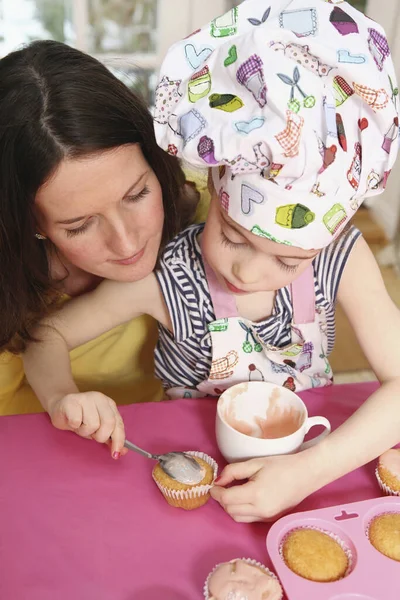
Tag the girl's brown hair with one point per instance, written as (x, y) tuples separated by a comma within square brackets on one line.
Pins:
[(57, 102)]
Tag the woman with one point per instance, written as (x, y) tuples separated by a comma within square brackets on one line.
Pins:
[(78, 155)]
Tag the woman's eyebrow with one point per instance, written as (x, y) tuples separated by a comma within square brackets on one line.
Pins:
[(70, 221), (128, 191)]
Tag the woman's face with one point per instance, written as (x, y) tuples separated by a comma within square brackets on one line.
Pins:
[(104, 213)]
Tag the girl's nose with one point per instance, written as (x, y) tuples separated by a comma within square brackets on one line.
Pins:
[(248, 273)]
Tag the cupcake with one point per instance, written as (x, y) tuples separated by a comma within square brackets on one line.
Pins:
[(187, 495), (315, 555), (388, 472), (384, 534), (242, 578)]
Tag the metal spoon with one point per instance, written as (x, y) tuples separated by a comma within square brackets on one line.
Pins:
[(178, 465)]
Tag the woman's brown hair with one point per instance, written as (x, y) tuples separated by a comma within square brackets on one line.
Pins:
[(57, 102)]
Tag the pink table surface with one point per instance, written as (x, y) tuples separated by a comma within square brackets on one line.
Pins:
[(75, 524)]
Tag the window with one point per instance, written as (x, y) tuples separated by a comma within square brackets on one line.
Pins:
[(22, 21), (359, 4), (124, 26), (129, 36), (120, 33)]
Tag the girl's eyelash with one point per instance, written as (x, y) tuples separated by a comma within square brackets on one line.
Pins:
[(288, 268), (234, 246), (228, 243), (83, 228), (138, 196)]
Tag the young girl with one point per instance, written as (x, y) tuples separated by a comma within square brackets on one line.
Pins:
[(296, 135)]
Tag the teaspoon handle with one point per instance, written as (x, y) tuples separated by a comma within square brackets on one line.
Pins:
[(131, 446)]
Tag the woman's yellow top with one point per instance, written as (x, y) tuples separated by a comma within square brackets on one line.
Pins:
[(119, 363)]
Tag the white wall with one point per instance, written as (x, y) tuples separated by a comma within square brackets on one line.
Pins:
[(178, 18), (386, 208)]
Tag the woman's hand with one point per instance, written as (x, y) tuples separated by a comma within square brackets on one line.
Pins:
[(90, 415), (275, 484)]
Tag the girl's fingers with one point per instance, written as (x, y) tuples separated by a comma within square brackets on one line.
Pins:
[(73, 416), (90, 420), (93, 416), (118, 437), (234, 496), (238, 472), (68, 415), (237, 511), (123, 452), (107, 421), (247, 519)]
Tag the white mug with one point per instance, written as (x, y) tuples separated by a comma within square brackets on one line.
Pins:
[(262, 419)]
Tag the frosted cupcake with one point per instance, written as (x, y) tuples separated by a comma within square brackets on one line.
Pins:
[(388, 472), (187, 495), (242, 578)]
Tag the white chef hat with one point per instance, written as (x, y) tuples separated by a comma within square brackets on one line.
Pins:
[(294, 108)]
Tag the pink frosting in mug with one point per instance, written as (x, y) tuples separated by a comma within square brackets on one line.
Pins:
[(279, 420), (390, 460), (239, 580), (238, 424)]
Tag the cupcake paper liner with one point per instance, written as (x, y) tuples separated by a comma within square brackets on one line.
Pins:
[(335, 537), (249, 561), (385, 488), (193, 497)]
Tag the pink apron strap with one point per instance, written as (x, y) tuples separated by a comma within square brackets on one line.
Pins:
[(303, 297)]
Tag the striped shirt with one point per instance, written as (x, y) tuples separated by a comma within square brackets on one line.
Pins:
[(183, 358)]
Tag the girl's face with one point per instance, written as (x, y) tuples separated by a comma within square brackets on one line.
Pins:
[(104, 213), (245, 263)]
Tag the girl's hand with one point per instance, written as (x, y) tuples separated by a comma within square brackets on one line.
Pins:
[(91, 415), (275, 484)]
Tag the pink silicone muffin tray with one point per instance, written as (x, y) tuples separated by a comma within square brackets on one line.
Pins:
[(372, 576)]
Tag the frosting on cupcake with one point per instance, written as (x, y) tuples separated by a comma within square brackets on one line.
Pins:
[(182, 470), (240, 580), (187, 495)]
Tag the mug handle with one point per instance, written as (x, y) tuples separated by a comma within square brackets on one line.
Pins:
[(311, 422)]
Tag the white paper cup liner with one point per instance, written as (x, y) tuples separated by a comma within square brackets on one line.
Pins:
[(249, 561), (385, 488), (335, 537), (197, 490)]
